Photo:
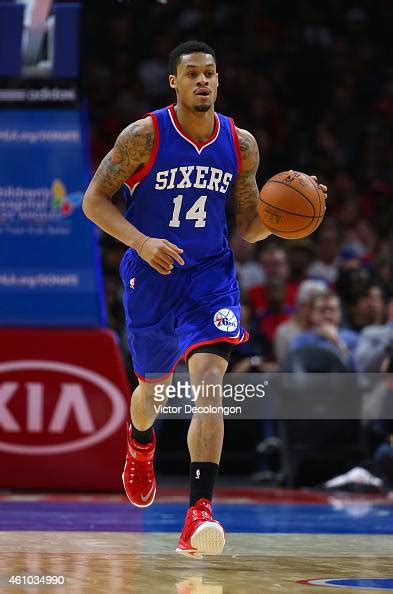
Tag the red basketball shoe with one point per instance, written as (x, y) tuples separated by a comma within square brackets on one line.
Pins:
[(201, 534), (138, 475)]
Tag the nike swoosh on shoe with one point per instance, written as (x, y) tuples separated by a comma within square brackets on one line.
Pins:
[(146, 497)]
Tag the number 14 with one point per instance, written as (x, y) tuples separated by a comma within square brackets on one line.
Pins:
[(197, 212)]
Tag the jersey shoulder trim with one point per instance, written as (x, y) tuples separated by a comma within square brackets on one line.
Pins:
[(137, 177), (236, 143), (199, 146)]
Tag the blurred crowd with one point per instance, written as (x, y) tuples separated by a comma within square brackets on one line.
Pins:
[(314, 84), (313, 81)]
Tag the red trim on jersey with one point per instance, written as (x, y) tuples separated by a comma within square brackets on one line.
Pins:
[(236, 340), (198, 145), (136, 177), (237, 145)]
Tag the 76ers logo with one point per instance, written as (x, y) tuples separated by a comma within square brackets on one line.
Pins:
[(225, 320)]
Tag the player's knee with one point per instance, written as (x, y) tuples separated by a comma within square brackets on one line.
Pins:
[(207, 367), (209, 373)]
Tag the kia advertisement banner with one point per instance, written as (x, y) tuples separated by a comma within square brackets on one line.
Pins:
[(49, 270), (64, 402)]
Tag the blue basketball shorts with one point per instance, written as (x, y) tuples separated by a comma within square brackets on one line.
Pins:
[(168, 316)]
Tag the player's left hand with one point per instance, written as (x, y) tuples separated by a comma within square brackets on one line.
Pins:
[(323, 188)]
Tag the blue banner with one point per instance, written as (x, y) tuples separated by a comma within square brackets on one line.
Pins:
[(49, 271)]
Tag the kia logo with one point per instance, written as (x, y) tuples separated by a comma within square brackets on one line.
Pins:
[(72, 399)]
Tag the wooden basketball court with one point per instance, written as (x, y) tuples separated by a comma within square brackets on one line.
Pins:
[(277, 541)]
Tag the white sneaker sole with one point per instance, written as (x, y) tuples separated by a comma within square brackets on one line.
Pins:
[(133, 502), (208, 539)]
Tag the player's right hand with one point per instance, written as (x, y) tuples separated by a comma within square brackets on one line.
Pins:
[(160, 254)]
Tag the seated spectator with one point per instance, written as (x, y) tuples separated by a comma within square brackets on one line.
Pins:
[(369, 240), (373, 343), (272, 314), (301, 319), (325, 267), (376, 304), (300, 256), (274, 262), (367, 309), (352, 284), (325, 331), (249, 272)]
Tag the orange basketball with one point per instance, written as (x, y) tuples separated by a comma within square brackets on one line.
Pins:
[(291, 205)]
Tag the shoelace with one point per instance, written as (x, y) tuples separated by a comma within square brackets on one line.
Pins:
[(150, 472), (137, 477), (197, 515)]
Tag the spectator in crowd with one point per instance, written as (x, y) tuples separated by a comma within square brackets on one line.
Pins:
[(367, 308), (249, 272), (325, 267), (300, 254), (352, 284), (357, 313), (274, 261), (270, 316), (374, 342), (376, 304), (301, 320), (325, 330)]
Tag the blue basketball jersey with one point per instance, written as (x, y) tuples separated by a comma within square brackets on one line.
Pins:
[(181, 193)]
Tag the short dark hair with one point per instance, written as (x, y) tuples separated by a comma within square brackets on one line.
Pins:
[(186, 48)]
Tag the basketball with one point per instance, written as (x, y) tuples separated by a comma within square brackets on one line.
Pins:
[(291, 205)]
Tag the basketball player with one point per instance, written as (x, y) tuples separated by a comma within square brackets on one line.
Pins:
[(181, 297)]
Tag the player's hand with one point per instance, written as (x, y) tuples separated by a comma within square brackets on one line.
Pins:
[(160, 254), (323, 188)]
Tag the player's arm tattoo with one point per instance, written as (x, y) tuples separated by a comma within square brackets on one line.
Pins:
[(245, 190), (132, 149)]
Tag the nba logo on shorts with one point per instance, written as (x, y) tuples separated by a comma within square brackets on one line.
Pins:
[(132, 282), (225, 320)]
